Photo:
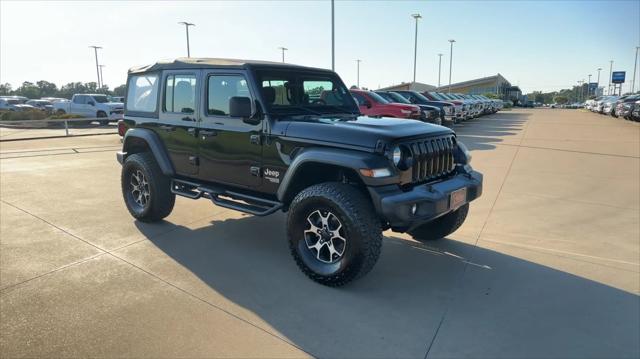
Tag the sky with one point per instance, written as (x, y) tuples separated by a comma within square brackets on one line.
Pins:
[(537, 45)]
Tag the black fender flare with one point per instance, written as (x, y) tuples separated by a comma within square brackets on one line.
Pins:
[(350, 159), (155, 145)]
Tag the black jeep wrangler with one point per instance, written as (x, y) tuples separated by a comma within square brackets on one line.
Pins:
[(259, 137)]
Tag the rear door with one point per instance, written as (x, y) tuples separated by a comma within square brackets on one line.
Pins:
[(230, 150), (80, 106), (178, 118)]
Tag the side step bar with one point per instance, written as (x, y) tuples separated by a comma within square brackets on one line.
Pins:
[(227, 199)]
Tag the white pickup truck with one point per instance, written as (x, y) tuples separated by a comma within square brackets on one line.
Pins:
[(91, 105)]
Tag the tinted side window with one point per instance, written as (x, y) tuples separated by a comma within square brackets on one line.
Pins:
[(142, 95), (180, 94), (220, 89), (79, 100), (359, 98)]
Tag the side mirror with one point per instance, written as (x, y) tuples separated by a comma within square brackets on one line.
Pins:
[(241, 107), (91, 103), (367, 103)]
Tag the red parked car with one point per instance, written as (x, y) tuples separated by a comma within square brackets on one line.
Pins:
[(372, 104)]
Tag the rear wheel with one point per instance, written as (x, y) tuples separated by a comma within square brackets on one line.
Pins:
[(146, 190), (334, 235), (442, 226), (102, 114)]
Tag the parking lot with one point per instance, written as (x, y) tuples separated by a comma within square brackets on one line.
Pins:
[(547, 264)]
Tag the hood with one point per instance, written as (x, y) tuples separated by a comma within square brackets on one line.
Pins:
[(362, 131), (403, 106)]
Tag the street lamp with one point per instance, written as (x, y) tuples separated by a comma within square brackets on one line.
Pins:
[(580, 93), (415, 45), (635, 64), (589, 86), (358, 73), (450, 62), (283, 50), (186, 27), (95, 50), (101, 77), (333, 39), (598, 83), (610, 73), (439, 67)]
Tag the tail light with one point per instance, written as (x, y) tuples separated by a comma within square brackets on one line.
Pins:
[(121, 128)]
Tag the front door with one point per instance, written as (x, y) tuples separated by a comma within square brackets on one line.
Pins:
[(230, 150), (178, 119)]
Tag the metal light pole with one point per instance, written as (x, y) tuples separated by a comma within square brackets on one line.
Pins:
[(450, 62), (610, 74), (186, 27), (101, 77), (598, 83), (283, 50), (358, 73), (333, 38), (415, 45), (580, 93), (635, 64), (589, 86), (439, 67), (95, 50)]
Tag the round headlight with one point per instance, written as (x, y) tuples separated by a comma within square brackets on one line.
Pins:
[(397, 155)]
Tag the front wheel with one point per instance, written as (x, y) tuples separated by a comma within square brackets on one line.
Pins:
[(442, 226), (146, 190), (334, 235)]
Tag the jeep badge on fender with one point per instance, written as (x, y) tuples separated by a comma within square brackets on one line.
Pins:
[(260, 137)]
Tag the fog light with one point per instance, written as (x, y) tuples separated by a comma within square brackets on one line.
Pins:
[(414, 209)]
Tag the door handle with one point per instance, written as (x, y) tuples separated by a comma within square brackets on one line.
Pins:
[(208, 133), (167, 128), (187, 118)]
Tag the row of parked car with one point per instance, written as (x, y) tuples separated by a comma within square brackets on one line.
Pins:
[(433, 107), (86, 105), (627, 106)]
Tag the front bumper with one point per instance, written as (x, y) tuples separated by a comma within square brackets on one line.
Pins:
[(433, 200)]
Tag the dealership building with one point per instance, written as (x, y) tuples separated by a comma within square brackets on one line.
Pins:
[(495, 84)]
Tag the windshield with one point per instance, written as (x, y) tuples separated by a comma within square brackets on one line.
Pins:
[(101, 99), (377, 98), (300, 92), (438, 96), (397, 98), (13, 101)]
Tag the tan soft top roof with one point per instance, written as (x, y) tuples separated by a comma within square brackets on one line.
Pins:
[(193, 62)]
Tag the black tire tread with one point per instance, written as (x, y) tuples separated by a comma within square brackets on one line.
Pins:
[(442, 226), (363, 220), (162, 199)]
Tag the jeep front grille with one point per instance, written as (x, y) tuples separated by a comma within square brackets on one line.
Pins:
[(432, 157)]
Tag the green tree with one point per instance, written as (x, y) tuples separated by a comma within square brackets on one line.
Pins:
[(28, 89), (5, 89), (120, 90), (47, 89), (560, 99)]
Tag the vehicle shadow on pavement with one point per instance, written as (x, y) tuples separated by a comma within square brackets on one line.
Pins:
[(484, 133), (493, 305)]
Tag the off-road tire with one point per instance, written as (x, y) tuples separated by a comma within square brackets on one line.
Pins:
[(161, 199), (361, 225), (442, 226)]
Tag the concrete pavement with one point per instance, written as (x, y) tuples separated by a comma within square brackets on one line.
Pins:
[(547, 264)]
